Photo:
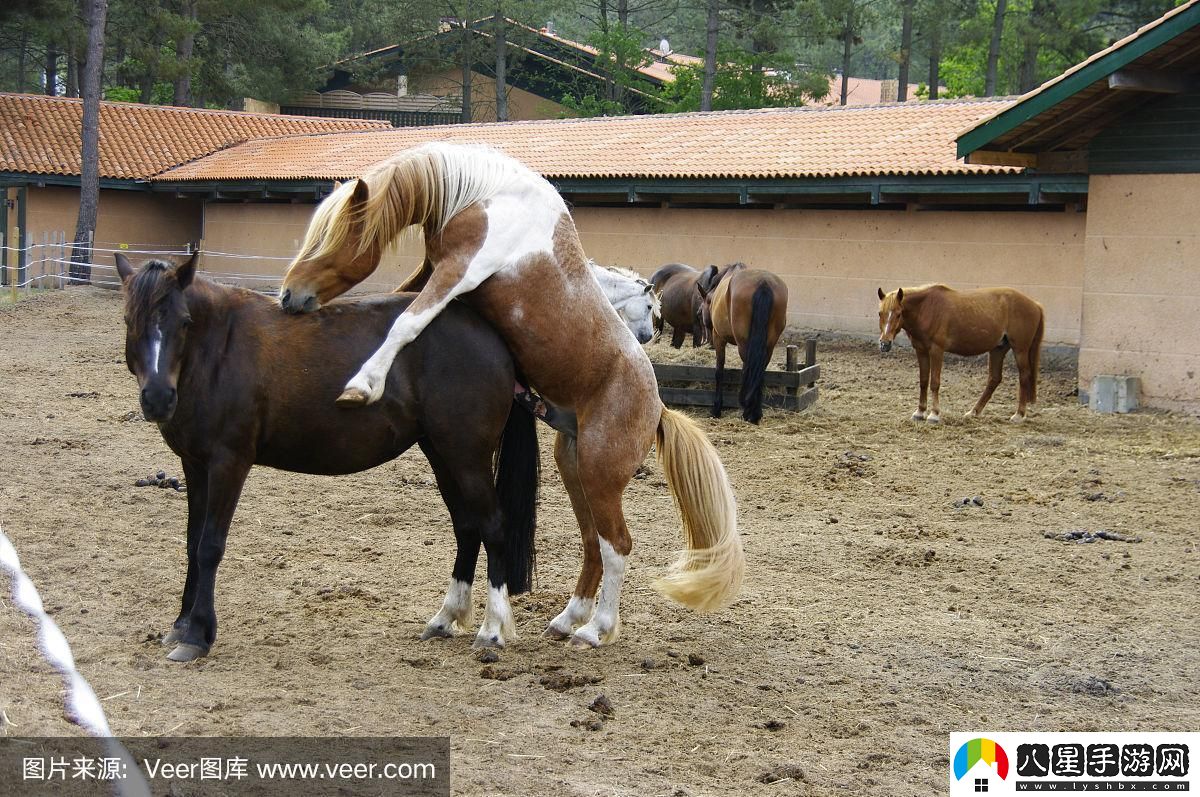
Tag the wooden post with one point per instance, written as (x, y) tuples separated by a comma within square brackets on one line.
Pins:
[(45, 254), (810, 352), (12, 271), (61, 238), (792, 363)]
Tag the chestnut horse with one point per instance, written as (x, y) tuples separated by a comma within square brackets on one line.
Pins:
[(500, 237), (939, 319), (232, 382), (747, 307), (676, 286)]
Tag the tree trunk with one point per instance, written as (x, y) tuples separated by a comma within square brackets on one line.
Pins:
[(1027, 74), (146, 89), (22, 49), (906, 30), (95, 15), (466, 70), (710, 55), (51, 70), (847, 42), (72, 73), (993, 60), (935, 63), (501, 68), (183, 54)]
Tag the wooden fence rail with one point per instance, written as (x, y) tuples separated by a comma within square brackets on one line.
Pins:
[(793, 388)]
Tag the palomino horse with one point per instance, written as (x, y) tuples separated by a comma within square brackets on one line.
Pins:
[(676, 286), (747, 307), (631, 296), (232, 382), (939, 319), (500, 237)]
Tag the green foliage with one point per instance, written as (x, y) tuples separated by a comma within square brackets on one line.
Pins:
[(744, 80)]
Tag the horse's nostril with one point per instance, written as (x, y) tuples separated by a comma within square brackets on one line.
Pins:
[(285, 296)]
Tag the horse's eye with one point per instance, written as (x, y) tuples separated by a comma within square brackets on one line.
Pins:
[(186, 322)]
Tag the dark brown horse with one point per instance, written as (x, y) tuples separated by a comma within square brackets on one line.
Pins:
[(747, 307), (233, 382), (939, 319), (675, 284)]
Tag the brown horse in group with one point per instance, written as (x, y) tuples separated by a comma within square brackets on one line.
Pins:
[(675, 284), (232, 382), (499, 237), (939, 319), (747, 307)]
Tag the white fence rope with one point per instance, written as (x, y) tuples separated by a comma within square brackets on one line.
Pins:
[(55, 268), (83, 707)]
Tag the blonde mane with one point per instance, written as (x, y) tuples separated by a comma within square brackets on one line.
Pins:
[(427, 186)]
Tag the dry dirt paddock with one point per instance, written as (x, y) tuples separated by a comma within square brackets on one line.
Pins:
[(876, 618)]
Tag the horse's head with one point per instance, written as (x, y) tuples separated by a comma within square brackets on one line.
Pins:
[(336, 254), (639, 310), (891, 317), (156, 325)]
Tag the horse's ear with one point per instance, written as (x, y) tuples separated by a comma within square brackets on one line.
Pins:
[(337, 184), (125, 269), (882, 295), (899, 295), (361, 193), (186, 270), (649, 289)]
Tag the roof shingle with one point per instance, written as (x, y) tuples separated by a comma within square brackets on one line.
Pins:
[(41, 135), (894, 139)]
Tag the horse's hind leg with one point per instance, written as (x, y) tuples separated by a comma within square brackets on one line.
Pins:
[(719, 394), (677, 336), (456, 612), (583, 601), (995, 375), (1026, 376), (607, 462)]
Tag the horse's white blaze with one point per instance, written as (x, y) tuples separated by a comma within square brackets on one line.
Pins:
[(156, 341), (577, 611), (518, 226), (887, 325), (498, 624), (606, 622), (456, 607)]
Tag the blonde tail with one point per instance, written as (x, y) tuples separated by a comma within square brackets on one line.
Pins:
[(709, 572)]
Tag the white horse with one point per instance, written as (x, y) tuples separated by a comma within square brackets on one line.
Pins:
[(631, 296)]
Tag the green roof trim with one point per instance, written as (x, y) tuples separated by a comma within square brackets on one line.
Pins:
[(1015, 116)]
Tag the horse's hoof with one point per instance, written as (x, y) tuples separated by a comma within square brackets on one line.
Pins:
[(970, 414), (918, 416), (187, 652), (436, 631), (352, 397), (490, 641), (555, 633), (1017, 418), (933, 417), (581, 641)]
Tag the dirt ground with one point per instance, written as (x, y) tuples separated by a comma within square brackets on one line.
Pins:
[(877, 615)]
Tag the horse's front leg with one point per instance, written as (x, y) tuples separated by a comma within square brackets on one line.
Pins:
[(923, 367), (198, 622), (719, 398), (195, 475), (935, 382), (451, 277)]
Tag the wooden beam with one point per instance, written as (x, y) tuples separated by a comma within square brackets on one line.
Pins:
[(1153, 80), (999, 158), (1066, 162)]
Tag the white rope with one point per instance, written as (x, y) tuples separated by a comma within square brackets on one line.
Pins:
[(83, 707)]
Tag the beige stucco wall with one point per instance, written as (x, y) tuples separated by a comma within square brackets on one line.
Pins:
[(1141, 286), (522, 105), (834, 260), (130, 220), (256, 241)]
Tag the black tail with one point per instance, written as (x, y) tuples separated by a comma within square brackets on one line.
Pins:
[(518, 471), (757, 353)]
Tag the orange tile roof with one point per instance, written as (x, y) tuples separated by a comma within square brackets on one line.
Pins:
[(892, 139), (41, 135)]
